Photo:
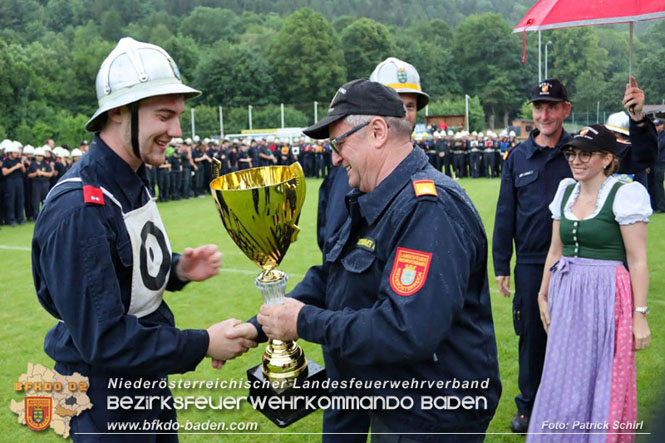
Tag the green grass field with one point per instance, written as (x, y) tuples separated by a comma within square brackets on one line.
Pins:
[(23, 323)]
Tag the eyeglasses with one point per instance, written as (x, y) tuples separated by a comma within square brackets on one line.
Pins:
[(584, 156), (334, 143)]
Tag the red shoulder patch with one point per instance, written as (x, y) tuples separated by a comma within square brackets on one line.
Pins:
[(409, 271), (424, 187), (93, 195)]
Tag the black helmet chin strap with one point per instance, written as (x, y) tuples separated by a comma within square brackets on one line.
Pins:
[(134, 107)]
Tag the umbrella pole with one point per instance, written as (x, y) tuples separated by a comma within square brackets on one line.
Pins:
[(540, 71), (630, 54)]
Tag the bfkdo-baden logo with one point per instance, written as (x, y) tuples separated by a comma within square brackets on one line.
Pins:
[(38, 412), (51, 399)]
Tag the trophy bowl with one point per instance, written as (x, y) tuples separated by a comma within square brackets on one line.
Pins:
[(260, 209)]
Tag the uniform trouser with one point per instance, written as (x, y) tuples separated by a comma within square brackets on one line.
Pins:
[(176, 177), (27, 199), (318, 167), (185, 189), (207, 176), (39, 192), (309, 167), (458, 162), (163, 184), (532, 336), (152, 179), (496, 164), (447, 165), (198, 180), (656, 190), (474, 158), (154, 424), (488, 166), (14, 200)]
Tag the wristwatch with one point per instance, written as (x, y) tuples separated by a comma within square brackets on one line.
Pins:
[(642, 310)]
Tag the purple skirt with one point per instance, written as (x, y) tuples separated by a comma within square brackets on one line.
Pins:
[(574, 397)]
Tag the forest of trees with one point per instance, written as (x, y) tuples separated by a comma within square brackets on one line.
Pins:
[(263, 53)]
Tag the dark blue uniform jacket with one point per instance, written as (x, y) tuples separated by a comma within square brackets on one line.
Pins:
[(82, 269)]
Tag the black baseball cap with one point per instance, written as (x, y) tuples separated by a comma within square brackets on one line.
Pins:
[(657, 122), (550, 90), (594, 138), (358, 97)]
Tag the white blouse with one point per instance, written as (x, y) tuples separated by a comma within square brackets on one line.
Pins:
[(631, 203)]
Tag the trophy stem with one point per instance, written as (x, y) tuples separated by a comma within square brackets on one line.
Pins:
[(283, 361)]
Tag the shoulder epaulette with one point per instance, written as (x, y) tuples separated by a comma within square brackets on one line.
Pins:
[(424, 187), (93, 195)]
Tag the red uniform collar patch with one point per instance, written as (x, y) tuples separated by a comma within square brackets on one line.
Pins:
[(409, 271), (93, 195)]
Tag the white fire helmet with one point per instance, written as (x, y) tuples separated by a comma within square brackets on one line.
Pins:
[(512, 134), (134, 71), (12, 147), (402, 77), (76, 152), (28, 150), (619, 122), (450, 133), (39, 151)]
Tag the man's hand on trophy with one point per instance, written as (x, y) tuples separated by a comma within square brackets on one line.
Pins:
[(199, 264), (226, 345), (280, 322)]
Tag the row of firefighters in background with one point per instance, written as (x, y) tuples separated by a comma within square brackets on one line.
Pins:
[(187, 169)]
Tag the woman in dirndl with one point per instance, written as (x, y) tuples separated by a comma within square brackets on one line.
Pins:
[(593, 309)]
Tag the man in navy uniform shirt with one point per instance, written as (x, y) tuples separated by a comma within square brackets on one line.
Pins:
[(402, 294), (39, 172), (13, 169), (102, 259), (530, 177)]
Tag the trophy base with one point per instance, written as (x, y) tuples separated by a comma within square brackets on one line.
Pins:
[(284, 417)]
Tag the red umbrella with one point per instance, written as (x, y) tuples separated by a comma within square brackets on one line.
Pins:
[(556, 14)]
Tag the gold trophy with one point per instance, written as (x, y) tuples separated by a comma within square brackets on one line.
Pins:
[(260, 208)]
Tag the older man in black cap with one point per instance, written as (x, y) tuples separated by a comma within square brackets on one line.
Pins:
[(401, 302)]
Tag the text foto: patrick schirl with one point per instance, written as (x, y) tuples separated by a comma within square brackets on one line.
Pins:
[(593, 425)]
